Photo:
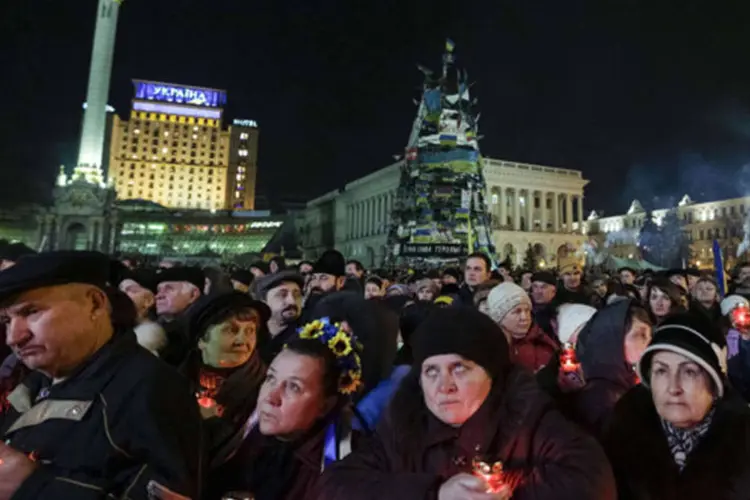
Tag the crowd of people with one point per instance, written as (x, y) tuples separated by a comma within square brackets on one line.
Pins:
[(325, 380)]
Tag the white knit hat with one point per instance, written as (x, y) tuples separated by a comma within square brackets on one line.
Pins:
[(570, 319), (503, 298), (730, 302)]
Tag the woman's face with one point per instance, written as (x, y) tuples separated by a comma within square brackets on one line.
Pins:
[(372, 290), (454, 388), (659, 302), (705, 292), (518, 321), (291, 398), (425, 293), (636, 340), (230, 343), (681, 389)]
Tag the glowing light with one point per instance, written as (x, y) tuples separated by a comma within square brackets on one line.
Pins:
[(568, 361)]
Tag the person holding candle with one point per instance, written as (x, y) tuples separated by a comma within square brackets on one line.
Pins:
[(225, 367), (735, 310), (510, 307), (466, 424), (607, 346), (301, 426), (684, 432)]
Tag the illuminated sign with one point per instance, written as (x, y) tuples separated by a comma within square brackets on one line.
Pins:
[(245, 123), (256, 225), (195, 96), (171, 109)]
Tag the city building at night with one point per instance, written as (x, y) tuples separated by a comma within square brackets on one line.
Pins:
[(174, 150), (702, 223), (530, 205)]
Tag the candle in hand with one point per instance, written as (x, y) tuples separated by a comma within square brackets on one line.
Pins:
[(491, 474), (568, 360)]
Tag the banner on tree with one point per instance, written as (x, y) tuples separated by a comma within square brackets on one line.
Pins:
[(432, 250)]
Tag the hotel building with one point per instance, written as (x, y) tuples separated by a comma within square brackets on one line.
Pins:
[(174, 150)]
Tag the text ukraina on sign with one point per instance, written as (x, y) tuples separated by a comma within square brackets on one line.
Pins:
[(432, 250)]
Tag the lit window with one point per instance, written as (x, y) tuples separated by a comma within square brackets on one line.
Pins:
[(242, 152), (166, 134), (244, 136), (195, 136), (236, 194), (164, 150), (136, 131)]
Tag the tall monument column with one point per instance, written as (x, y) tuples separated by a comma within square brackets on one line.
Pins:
[(91, 152)]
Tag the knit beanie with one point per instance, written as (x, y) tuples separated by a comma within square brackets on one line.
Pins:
[(427, 283), (687, 335), (732, 302), (570, 319), (464, 331), (503, 298)]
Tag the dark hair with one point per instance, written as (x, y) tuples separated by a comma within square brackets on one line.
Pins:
[(280, 262), (123, 314), (375, 280), (357, 264), (218, 281), (674, 292), (637, 311), (483, 256), (316, 349), (304, 262)]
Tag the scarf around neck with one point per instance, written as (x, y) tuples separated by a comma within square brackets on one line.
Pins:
[(683, 441)]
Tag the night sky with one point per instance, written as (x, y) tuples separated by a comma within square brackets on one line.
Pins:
[(647, 98)]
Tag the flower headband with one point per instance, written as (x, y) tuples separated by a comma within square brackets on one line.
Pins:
[(343, 345)]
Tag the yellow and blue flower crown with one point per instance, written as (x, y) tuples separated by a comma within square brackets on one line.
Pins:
[(343, 345)]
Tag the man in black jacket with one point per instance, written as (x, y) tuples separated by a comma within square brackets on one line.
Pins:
[(99, 416)]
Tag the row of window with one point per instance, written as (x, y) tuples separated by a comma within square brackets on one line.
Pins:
[(162, 117)]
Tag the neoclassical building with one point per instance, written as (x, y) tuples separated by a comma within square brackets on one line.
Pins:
[(530, 205), (702, 223)]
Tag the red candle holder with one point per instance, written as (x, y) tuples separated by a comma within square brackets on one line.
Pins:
[(568, 361), (492, 475)]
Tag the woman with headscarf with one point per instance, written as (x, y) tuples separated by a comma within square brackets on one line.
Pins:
[(607, 347), (301, 425), (466, 424), (225, 367), (682, 433)]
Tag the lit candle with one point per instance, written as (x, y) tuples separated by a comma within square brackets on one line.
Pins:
[(568, 360), (492, 475)]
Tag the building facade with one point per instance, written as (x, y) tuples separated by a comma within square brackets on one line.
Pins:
[(530, 205), (174, 150), (702, 223)]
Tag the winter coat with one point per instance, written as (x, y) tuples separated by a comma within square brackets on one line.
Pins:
[(271, 469), (534, 350), (544, 315), (178, 344), (226, 419), (738, 363), (713, 313), (125, 422), (717, 469), (543, 455), (580, 296), (269, 347), (601, 352)]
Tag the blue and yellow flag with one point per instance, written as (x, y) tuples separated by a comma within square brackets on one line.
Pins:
[(721, 277), (449, 45)]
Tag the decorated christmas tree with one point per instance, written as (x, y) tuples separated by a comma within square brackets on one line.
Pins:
[(440, 212)]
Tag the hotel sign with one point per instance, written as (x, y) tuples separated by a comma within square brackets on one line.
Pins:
[(178, 94)]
